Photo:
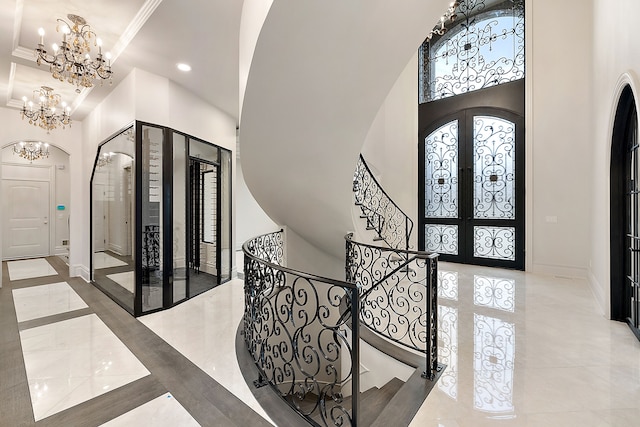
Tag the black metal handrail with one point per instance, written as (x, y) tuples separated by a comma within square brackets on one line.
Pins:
[(396, 227), (296, 330), (398, 295)]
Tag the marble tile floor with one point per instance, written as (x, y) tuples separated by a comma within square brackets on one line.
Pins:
[(163, 411), (30, 268), (529, 350), (75, 360), (522, 350), (204, 330), (103, 260), (126, 280), (98, 365), (45, 300)]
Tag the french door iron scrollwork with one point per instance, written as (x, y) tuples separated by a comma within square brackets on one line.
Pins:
[(473, 188)]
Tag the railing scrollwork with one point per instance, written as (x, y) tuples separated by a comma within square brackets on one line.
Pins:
[(382, 214), (398, 295), (301, 331)]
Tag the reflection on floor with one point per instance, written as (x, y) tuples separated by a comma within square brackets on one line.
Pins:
[(163, 411), (84, 366), (521, 350), (45, 300), (529, 350), (126, 280), (75, 360), (103, 260), (204, 329), (29, 268)]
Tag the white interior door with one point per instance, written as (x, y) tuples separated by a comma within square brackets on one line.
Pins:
[(25, 206)]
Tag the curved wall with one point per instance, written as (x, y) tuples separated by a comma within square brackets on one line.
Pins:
[(320, 72)]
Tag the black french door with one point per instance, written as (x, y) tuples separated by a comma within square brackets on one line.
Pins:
[(625, 214), (472, 188), (632, 207)]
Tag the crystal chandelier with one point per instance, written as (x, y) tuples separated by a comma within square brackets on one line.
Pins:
[(31, 150), (45, 114), (71, 61), (450, 15), (104, 160)]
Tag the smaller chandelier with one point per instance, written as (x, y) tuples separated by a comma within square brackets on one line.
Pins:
[(450, 15), (31, 150), (45, 115), (71, 61), (104, 160)]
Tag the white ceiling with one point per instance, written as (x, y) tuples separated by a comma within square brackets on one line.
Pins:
[(150, 34)]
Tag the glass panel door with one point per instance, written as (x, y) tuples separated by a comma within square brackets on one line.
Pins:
[(152, 222), (633, 224), (474, 189)]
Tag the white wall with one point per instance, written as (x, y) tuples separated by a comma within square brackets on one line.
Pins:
[(58, 165), (150, 98), (616, 62), (319, 74), (254, 12), (113, 114), (70, 141), (559, 97), (558, 141), (391, 147), (250, 219)]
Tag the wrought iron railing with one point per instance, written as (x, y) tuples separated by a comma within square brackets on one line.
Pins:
[(391, 224), (398, 296), (302, 332)]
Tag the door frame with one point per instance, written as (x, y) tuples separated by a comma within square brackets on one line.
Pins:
[(620, 293), (465, 194), (509, 100), (51, 248)]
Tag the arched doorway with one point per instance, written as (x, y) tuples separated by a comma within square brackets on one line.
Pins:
[(471, 136), (35, 203), (625, 216)]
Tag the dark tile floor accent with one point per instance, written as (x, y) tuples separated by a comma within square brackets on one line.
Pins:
[(206, 400)]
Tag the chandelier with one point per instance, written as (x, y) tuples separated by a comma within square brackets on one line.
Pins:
[(104, 160), (31, 150), (450, 15), (45, 114), (71, 61)]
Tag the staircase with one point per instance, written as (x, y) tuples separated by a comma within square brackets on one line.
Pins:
[(374, 400), (392, 226)]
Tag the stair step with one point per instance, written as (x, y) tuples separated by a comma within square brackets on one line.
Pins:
[(370, 228), (377, 239), (364, 216), (376, 399)]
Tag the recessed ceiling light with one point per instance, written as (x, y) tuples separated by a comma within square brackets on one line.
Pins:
[(184, 67)]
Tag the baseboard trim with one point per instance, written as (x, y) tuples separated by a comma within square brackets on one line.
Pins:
[(560, 271), (79, 270)]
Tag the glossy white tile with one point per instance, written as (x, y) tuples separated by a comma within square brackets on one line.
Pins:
[(126, 280), (529, 350), (103, 260), (30, 268), (163, 411), (204, 330), (75, 360), (45, 300)]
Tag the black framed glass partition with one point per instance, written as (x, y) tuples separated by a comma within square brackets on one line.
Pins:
[(112, 218), (169, 196)]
